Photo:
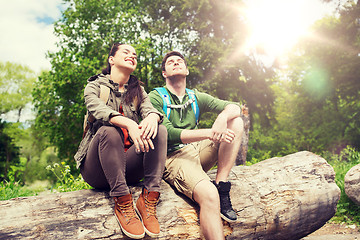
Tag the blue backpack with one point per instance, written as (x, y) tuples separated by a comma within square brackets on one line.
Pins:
[(167, 106)]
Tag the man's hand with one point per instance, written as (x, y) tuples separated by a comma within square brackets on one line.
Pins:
[(220, 132)]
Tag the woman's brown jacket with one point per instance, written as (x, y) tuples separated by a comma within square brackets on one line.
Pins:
[(104, 111)]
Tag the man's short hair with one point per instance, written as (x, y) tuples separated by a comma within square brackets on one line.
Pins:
[(169, 54)]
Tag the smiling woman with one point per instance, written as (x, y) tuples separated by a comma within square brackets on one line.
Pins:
[(275, 26)]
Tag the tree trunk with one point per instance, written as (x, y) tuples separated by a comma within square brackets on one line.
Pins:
[(241, 157), (279, 198), (8, 158)]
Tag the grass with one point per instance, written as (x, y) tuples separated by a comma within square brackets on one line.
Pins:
[(11, 189), (66, 182), (347, 211)]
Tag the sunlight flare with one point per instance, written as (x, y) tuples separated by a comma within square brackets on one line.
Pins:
[(276, 26)]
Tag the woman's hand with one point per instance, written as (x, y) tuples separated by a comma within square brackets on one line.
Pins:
[(143, 133), (141, 144), (149, 126), (135, 132)]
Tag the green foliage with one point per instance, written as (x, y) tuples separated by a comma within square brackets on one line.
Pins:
[(347, 211), (316, 107), (325, 84), (15, 82), (260, 146), (36, 167), (11, 189), (66, 182), (9, 152), (34, 153)]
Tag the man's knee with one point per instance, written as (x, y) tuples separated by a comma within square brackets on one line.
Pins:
[(237, 125), (206, 195)]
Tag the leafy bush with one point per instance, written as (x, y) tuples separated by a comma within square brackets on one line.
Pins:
[(36, 168), (66, 182)]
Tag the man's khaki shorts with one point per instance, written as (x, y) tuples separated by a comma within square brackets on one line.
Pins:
[(187, 166)]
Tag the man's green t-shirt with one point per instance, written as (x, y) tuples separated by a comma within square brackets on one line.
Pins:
[(181, 119)]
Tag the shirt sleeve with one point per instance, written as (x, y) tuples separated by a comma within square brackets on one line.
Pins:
[(95, 105), (146, 107), (208, 103), (173, 132)]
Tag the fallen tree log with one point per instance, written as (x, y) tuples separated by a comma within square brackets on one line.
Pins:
[(279, 198)]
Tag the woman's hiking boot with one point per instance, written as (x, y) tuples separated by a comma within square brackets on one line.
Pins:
[(226, 210), (146, 208), (129, 221)]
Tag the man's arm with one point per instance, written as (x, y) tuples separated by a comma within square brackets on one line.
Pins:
[(189, 136), (231, 111), (219, 131)]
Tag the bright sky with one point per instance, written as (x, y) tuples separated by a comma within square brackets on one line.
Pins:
[(276, 25), (26, 29), (26, 34)]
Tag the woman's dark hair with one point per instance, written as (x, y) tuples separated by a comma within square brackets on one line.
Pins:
[(134, 92), (113, 50)]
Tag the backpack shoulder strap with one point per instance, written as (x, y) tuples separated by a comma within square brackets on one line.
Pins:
[(166, 100), (104, 93), (89, 118), (194, 104)]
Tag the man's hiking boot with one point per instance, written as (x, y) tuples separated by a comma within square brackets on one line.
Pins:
[(226, 210), (146, 208), (129, 221)]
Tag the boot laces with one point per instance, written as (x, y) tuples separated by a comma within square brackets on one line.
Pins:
[(150, 207), (128, 210), (225, 200)]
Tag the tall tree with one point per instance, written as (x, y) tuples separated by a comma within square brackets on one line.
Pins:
[(9, 152), (16, 83)]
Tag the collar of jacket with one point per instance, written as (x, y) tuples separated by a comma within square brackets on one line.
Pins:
[(115, 86)]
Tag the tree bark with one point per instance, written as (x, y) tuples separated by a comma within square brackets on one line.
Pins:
[(241, 157), (279, 198)]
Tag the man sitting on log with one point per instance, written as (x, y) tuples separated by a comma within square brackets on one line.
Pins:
[(193, 151)]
